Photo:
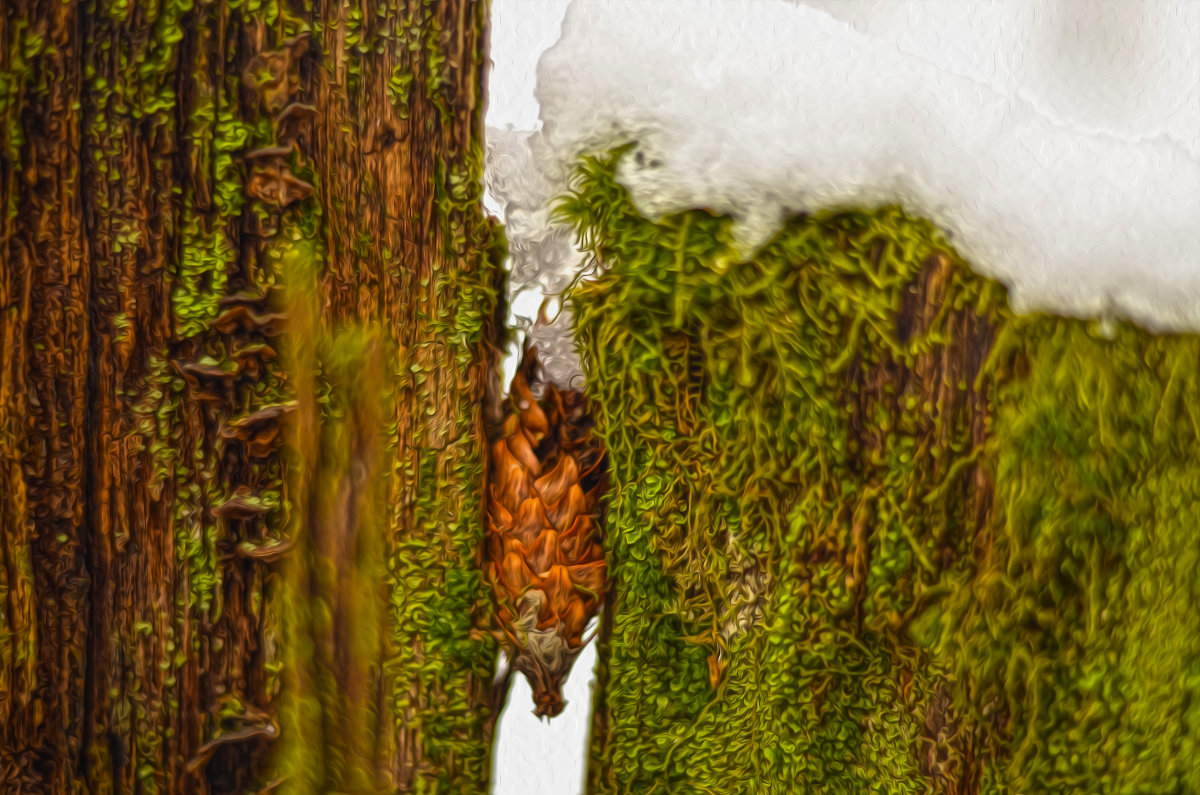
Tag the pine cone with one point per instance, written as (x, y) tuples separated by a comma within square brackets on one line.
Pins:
[(545, 559)]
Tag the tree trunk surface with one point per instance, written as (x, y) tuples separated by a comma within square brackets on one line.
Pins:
[(162, 162), (872, 531)]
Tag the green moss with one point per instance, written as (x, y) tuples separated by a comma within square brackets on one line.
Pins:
[(801, 501), (23, 48), (1081, 620), (399, 88), (436, 663), (433, 664), (437, 75), (217, 138)]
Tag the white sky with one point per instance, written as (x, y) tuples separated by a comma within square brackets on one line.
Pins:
[(1057, 141), (521, 31)]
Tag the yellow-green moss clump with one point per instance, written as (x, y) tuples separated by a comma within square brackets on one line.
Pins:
[(872, 532), (1081, 617)]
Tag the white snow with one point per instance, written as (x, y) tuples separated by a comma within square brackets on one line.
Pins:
[(521, 32), (1056, 141), (1011, 125), (533, 756)]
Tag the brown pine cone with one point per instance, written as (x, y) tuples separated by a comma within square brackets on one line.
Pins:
[(545, 559)]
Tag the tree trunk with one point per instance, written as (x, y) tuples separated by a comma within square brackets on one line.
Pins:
[(161, 162), (870, 530)]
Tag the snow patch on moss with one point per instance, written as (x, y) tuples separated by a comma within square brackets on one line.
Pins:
[(1055, 145)]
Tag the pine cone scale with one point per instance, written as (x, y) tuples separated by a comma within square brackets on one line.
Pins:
[(545, 565)]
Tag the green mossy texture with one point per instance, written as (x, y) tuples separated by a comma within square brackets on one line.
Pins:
[(865, 544), (131, 105), (427, 726), (1082, 617)]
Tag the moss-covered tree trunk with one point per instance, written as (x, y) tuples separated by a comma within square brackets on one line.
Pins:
[(870, 530), (161, 160)]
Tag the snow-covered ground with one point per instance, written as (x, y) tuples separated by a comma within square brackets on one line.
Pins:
[(1057, 141)]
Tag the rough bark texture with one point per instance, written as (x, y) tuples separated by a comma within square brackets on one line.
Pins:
[(160, 163), (44, 435), (870, 531)]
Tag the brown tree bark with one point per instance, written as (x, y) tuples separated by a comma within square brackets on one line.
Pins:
[(44, 338), (157, 160)]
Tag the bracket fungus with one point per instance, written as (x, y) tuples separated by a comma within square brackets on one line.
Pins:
[(261, 430)]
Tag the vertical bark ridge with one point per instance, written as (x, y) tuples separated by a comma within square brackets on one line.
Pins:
[(44, 282), (177, 665)]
